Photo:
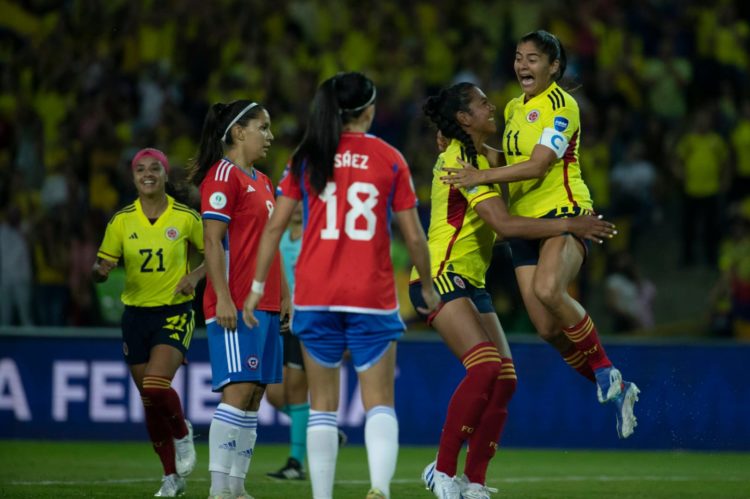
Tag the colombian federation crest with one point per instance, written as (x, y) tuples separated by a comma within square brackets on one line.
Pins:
[(172, 233), (459, 282), (532, 116)]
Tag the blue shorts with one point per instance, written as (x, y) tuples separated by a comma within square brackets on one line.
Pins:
[(526, 251), (245, 355), (451, 286), (327, 335)]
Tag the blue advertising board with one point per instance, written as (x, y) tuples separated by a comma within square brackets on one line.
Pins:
[(694, 396)]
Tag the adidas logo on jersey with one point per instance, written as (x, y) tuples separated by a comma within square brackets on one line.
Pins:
[(133, 236), (250, 188)]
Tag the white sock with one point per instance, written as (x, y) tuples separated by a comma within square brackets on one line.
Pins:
[(245, 446), (322, 449), (222, 445), (381, 440)]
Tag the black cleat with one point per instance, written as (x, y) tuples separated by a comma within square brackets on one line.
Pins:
[(292, 470)]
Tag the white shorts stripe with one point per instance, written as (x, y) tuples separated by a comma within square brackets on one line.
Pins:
[(228, 350)]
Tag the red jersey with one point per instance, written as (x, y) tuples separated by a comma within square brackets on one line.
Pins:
[(345, 261), (243, 201)]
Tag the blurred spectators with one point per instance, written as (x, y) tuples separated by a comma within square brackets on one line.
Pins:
[(629, 296), (15, 273), (85, 84)]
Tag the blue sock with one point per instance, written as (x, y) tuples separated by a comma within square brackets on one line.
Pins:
[(298, 430)]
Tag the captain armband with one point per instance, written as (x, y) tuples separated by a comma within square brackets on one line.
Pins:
[(554, 140)]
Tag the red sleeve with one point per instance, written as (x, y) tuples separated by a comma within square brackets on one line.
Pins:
[(289, 185), (404, 197), (219, 193)]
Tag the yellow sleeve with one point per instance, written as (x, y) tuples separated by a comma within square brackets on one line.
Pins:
[(111, 247), (196, 233)]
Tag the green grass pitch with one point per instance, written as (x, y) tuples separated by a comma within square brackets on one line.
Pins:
[(31, 469)]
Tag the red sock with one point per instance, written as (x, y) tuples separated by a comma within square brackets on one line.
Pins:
[(484, 441), (469, 400), (587, 342), (163, 397), (577, 361), (161, 435)]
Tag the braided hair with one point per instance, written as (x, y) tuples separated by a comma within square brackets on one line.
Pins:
[(441, 109)]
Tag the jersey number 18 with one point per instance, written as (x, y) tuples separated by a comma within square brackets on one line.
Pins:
[(359, 208)]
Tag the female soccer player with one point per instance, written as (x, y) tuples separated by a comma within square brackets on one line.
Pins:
[(541, 138), (152, 235), (463, 223), (236, 201), (349, 184)]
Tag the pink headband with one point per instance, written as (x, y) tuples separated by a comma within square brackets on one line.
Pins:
[(154, 153)]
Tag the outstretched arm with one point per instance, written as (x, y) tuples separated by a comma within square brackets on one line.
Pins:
[(542, 158), (494, 212)]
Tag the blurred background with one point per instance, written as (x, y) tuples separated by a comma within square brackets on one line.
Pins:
[(663, 87), (664, 92)]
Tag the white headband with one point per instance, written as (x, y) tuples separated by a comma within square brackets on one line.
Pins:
[(359, 108), (236, 118)]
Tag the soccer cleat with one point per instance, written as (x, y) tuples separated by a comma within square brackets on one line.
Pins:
[(440, 484), (171, 486), (375, 494), (342, 438), (184, 452), (626, 420), (471, 490), (608, 383), (292, 470)]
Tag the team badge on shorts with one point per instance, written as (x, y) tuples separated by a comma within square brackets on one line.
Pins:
[(172, 233), (459, 282), (532, 116), (125, 348), (252, 362)]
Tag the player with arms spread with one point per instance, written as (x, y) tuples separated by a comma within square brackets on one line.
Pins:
[(350, 184), (540, 142), (153, 236)]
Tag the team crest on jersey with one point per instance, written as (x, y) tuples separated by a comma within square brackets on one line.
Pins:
[(252, 362), (217, 200), (532, 116), (172, 233), (459, 282), (561, 124)]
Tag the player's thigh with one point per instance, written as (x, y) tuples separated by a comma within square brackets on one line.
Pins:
[(376, 382), (164, 361), (495, 331), (546, 324), (240, 395), (460, 326), (560, 259), (324, 384)]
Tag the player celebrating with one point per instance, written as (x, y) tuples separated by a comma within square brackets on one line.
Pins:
[(349, 184), (541, 138), (152, 236), (463, 223), (236, 201)]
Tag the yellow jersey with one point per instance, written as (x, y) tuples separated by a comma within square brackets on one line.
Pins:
[(458, 239), (703, 156), (156, 255), (550, 118)]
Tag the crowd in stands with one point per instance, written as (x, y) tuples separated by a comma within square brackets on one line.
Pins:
[(663, 87)]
